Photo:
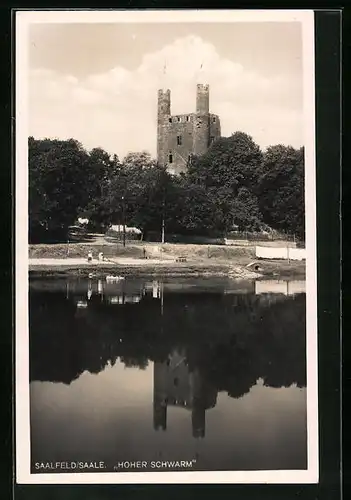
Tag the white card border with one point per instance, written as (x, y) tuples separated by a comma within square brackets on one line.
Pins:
[(22, 444)]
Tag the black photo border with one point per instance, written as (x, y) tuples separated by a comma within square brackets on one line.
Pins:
[(328, 90)]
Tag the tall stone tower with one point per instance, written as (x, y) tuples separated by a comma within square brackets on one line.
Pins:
[(180, 136), (202, 99), (163, 114), (201, 139)]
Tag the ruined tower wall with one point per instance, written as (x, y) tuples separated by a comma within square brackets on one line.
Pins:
[(163, 112), (215, 128), (201, 130), (180, 142), (207, 128), (202, 99), (201, 134)]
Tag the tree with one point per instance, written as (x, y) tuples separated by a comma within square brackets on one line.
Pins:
[(58, 188), (229, 171), (281, 189), (230, 162), (138, 190), (245, 211), (102, 170), (149, 193), (139, 160), (193, 209)]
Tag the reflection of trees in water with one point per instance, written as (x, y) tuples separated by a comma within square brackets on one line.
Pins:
[(134, 362), (232, 340)]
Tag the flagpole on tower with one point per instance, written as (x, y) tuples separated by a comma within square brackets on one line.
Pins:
[(198, 72), (164, 75)]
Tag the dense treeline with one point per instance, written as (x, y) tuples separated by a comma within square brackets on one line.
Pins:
[(233, 185)]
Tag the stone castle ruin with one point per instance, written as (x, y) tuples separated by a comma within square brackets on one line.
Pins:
[(181, 136)]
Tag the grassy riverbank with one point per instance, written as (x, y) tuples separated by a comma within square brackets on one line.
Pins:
[(136, 250), (160, 261)]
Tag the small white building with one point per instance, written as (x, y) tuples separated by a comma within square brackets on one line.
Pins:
[(118, 228), (83, 222)]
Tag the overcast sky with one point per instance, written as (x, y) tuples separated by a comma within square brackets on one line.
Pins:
[(98, 83)]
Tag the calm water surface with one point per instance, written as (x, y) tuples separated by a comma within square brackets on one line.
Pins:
[(206, 370)]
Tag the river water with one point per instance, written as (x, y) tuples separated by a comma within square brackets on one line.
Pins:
[(207, 372)]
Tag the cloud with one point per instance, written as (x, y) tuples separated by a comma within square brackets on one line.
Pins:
[(117, 109)]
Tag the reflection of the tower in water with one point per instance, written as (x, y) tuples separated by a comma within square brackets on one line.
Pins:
[(175, 385), (229, 335)]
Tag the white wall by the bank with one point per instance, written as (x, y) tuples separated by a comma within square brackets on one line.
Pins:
[(280, 253)]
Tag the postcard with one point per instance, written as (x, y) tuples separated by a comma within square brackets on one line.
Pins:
[(166, 315)]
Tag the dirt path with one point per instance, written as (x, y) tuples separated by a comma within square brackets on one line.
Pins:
[(127, 261)]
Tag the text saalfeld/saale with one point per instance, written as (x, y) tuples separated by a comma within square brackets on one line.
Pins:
[(69, 465)]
